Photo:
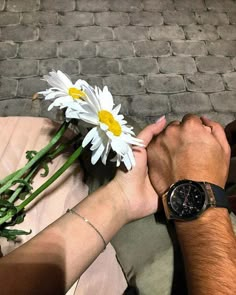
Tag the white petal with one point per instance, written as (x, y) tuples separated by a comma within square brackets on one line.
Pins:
[(89, 136), (66, 81), (127, 162), (97, 154), (106, 99), (72, 114), (89, 118), (106, 152), (116, 110)]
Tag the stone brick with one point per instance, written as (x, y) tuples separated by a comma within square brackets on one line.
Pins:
[(204, 83), (29, 86), (158, 5), (57, 33), (68, 66), (146, 18), (8, 87), (193, 5), (23, 5), (227, 32), (18, 68), (115, 49), (189, 48), (94, 33), (125, 104), (152, 48), (230, 80), (170, 117), (58, 5), (39, 18), (125, 85), (131, 33), (16, 107), (177, 65), (165, 83), (75, 18), (38, 50), (2, 5), (111, 19), (234, 63), (92, 80), (232, 18), (166, 33), (139, 65), (9, 18), (201, 32), (150, 105), (77, 49), (19, 33), (222, 118), (99, 66), (126, 5), (213, 64), (178, 17), (190, 102), (224, 101), (219, 5), (222, 47), (7, 50), (211, 18), (93, 5)]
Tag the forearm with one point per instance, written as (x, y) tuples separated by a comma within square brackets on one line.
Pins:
[(209, 251), (65, 248)]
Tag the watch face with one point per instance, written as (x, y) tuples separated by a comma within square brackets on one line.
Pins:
[(186, 199)]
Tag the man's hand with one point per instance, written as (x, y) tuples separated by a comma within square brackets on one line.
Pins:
[(195, 149)]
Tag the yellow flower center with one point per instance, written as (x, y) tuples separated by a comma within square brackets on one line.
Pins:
[(108, 119), (76, 93)]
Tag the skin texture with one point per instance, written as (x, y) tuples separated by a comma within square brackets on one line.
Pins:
[(197, 149), (54, 259)]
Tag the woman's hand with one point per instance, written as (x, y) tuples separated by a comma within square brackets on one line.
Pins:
[(140, 199)]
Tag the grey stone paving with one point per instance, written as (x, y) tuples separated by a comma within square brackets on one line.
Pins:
[(157, 57)]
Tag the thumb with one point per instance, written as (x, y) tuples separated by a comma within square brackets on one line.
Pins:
[(152, 130)]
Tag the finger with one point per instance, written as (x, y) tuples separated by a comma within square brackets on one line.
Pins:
[(176, 122), (152, 130), (217, 131), (191, 117)]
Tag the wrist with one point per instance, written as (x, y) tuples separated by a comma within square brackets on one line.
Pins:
[(213, 223), (105, 210)]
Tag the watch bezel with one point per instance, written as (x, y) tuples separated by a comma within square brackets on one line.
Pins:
[(173, 214)]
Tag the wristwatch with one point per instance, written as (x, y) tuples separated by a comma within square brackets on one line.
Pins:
[(187, 200)]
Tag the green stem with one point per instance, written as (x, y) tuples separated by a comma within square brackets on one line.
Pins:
[(19, 189), (37, 157), (62, 147), (8, 177), (5, 218), (63, 168)]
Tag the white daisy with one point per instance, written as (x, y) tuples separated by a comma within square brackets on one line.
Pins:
[(64, 92), (110, 131)]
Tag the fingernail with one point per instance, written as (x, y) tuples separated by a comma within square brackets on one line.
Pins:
[(160, 119)]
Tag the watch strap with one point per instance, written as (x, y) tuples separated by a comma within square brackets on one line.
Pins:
[(221, 199)]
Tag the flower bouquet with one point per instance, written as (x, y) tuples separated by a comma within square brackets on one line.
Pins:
[(106, 132)]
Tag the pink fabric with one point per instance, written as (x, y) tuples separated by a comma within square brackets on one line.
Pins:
[(19, 134)]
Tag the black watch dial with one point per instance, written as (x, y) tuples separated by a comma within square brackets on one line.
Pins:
[(186, 199)]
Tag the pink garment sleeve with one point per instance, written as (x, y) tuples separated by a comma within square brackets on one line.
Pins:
[(19, 134)]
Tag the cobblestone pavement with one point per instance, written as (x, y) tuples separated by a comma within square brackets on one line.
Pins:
[(157, 57)]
